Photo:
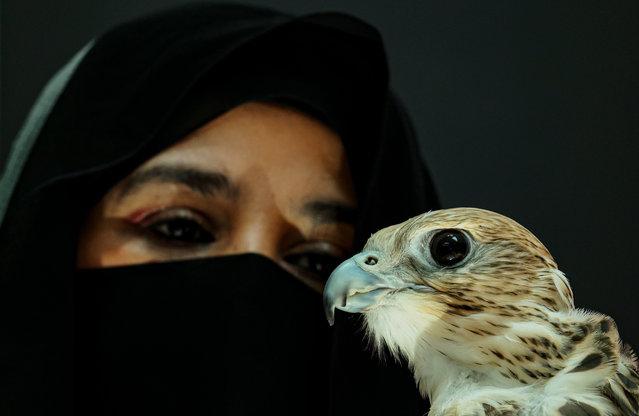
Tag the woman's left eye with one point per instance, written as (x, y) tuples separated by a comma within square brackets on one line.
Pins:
[(317, 263)]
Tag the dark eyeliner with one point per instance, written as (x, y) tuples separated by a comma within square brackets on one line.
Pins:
[(178, 227), (314, 262)]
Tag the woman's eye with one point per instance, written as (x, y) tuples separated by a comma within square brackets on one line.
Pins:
[(179, 226), (319, 264), (181, 229)]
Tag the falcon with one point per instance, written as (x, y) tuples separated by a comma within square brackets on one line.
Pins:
[(476, 306)]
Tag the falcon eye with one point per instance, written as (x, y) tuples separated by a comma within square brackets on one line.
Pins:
[(449, 247), (371, 260)]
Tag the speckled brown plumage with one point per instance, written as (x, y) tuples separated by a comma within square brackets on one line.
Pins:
[(496, 334)]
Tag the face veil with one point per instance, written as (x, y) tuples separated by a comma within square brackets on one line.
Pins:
[(199, 336), (229, 335)]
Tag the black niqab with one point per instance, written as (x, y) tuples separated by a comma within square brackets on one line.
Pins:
[(229, 335), (185, 337)]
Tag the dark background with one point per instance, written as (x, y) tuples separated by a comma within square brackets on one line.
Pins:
[(527, 108)]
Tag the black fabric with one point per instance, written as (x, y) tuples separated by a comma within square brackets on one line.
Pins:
[(195, 340), (85, 342)]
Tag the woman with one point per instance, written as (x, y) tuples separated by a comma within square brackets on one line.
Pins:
[(177, 198)]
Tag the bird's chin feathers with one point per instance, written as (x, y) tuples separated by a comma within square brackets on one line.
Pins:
[(400, 323), (403, 325)]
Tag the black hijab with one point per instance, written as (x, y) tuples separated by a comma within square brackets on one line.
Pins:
[(229, 335)]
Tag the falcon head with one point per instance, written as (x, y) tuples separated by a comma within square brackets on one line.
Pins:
[(476, 305), (445, 280)]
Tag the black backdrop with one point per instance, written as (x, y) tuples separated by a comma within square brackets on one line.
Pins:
[(527, 108)]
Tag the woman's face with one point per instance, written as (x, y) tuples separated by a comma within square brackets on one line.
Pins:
[(261, 178)]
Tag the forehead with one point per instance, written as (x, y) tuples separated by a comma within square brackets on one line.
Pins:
[(281, 148), (483, 225), (260, 129), (486, 226)]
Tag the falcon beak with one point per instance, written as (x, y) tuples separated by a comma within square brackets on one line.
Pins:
[(352, 289)]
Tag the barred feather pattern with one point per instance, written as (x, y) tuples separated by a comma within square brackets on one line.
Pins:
[(499, 333)]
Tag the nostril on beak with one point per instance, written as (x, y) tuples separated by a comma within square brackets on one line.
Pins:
[(371, 260)]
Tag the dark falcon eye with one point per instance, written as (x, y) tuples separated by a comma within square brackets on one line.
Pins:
[(449, 247)]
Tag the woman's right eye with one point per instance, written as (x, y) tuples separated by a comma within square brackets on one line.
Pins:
[(181, 229), (180, 226)]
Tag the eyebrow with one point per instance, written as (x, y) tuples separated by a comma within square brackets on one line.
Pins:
[(214, 182), (205, 183), (328, 211)]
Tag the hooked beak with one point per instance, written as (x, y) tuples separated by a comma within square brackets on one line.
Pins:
[(352, 289)]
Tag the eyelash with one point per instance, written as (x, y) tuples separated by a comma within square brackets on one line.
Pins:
[(315, 261), (183, 228), (180, 226)]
